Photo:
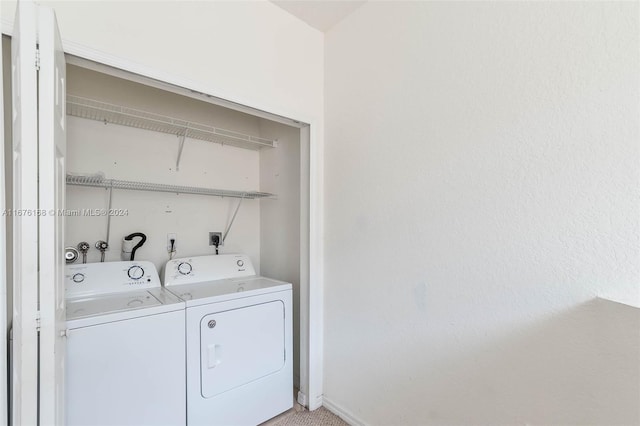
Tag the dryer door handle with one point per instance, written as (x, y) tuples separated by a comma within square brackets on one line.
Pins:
[(214, 354)]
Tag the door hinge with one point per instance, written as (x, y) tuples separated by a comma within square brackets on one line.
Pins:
[(37, 59), (38, 321)]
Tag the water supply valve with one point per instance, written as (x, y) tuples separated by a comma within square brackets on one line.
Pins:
[(83, 247), (102, 246)]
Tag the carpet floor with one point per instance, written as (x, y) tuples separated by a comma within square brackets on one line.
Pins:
[(319, 417)]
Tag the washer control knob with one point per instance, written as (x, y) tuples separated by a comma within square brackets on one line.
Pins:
[(135, 272), (240, 263), (185, 268), (78, 278)]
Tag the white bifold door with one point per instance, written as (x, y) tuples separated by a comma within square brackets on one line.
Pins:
[(38, 83), (4, 399)]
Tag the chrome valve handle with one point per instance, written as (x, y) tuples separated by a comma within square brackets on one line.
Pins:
[(103, 246), (83, 248)]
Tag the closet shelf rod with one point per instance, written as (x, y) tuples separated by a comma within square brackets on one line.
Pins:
[(98, 181)]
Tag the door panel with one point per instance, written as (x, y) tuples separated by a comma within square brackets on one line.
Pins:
[(25, 223), (230, 341), (51, 150), (3, 263)]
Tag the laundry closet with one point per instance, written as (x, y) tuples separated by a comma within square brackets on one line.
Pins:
[(176, 167)]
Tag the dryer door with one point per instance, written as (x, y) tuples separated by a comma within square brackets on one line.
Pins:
[(240, 346)]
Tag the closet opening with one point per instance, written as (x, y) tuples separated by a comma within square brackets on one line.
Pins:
[(177, 164)]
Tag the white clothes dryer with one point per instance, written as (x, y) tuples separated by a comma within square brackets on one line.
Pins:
[(125, 360), (239, 340)]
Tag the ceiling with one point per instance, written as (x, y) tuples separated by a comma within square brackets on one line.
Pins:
[(320, 14)]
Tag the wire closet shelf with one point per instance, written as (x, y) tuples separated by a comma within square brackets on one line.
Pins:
[(115, 114), (98, 181)]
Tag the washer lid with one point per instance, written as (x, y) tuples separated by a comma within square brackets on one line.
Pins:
[(134, 301), (220, 290)]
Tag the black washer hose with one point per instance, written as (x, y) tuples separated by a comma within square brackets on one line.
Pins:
[(137, 246)]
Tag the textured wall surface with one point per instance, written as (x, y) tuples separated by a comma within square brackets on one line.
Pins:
[(482, 189)]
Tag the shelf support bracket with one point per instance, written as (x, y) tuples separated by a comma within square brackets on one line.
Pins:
[(224, 237), (180, 148), (110, 189)]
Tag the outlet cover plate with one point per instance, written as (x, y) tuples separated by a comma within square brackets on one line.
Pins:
[(212, 234)]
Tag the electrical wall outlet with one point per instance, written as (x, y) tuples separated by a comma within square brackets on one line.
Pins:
[(211, 238), (173, 237)]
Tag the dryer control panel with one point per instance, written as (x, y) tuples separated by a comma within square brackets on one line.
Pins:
[(190, 270), (90, 279)]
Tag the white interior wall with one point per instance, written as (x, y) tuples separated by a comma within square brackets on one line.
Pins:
[(134, 154), (250, 52), (280, 218), (481, 191)]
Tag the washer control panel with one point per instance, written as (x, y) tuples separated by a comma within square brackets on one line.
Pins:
[(91, 279), (196, 269)]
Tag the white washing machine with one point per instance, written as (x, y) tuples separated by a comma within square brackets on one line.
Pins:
[(125, 359), (239, 340)]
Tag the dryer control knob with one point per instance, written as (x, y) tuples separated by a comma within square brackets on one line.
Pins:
[(135, 272), (185, 268), (78, 278), (240, 263)]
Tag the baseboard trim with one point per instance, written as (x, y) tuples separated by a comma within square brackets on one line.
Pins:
[(342, 413), (314, 404), (301, 398)]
